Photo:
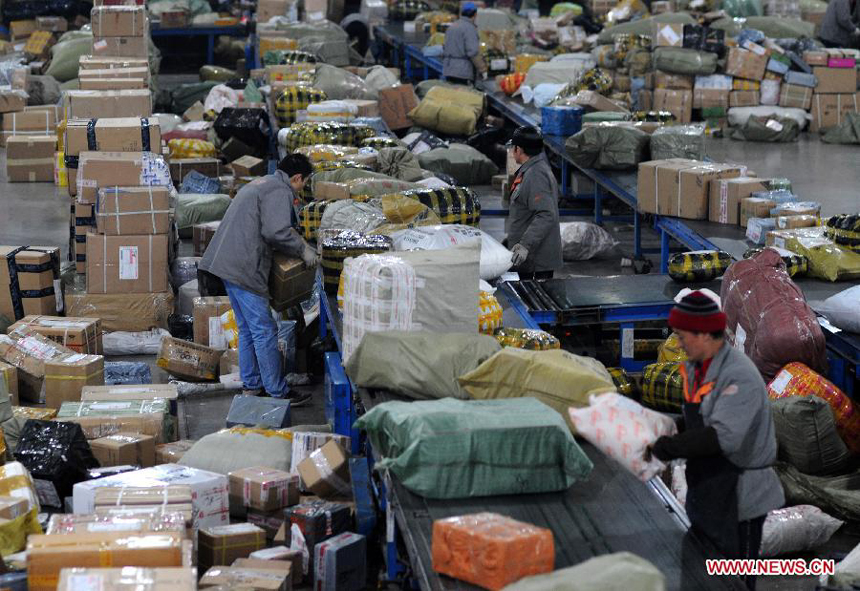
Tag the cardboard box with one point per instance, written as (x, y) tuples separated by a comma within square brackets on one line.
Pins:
[(48, 555), (791, 95), (835, 80), (53, 24), (104, 104), (85, 223), (330, 191), (9, 375), (677, 102), (124, 449), (94, 62), (755, 207), (130, 579), (315, 10), (708, 98), (116, 169), (22, 29), (816, 58), (13, 507), (66, 376), (81, 335), (39, 45), (179, 167), (829, 109), (395, 104), (171, 453), (263, 489), (223, 544), (251, 579), (249, 166), (30, 158), (148, 417), (30, 123), (126, 264), (12, 100), (124, 211), (726, 196), (133, 312), (790, 222), (174, 19), (229, 362), (668, 34), (673, 81), (201, 236), (289, 564), (188, 360), (177, 500), (123, 134), (266, 9), (341, 563), (290, 282), (744, 98), (594, 101), (121, 46), (128, 518), (33, 287), (366, 108), (679, 187), (112, 83), (326, 471), (743, 63), (131, 73), (124, 392), (207, 321), (305, 443)]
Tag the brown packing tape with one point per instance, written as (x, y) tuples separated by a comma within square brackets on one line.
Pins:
[(68, 377), (7, 485)]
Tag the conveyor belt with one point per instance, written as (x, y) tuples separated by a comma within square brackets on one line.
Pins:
[(610, 512)]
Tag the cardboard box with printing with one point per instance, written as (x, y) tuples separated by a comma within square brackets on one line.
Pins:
[(66, 376), (30, 158), (744, 63), (124, 211), (112, 83), (132, 312), (679, 187), (179, 167), (121, 46), (130, 579), (755, 207), (835, 80), (207, 321), (30, 281), (39, 44), (118, 21), (668, 34), (30, 123), (395, 104), (263, 489), (223, 544), (117, 169), (28, 352), (124, 449), (187, 360), (290, 282), (124, 134), (792, 95), (53, 24), (104, 104), (828, 110), (82, 335), (126, 264), (677, 102), (326, 471)]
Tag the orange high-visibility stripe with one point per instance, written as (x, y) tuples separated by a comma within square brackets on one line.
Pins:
[(694, 397)]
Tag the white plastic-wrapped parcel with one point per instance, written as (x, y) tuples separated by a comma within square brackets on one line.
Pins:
[(495, 258)]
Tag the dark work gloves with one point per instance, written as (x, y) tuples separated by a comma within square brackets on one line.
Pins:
[(693, 443)]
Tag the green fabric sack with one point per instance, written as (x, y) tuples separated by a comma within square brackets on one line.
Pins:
[(608, 148), (847, 132), (198, 208), (689, 62), (806, 434), (450, 449), (644, 26), (447, 118), (188, 94), (65, 57), (838, 496), (768, 129), (467, 165), (775, 27), (400, 163), (427, 364), (678, 141), (604, 116), (609, 572)]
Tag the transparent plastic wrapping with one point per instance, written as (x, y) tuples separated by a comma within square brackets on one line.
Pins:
[(524, 338), (795, 264), (663, 387), (678, 141), (699, 266), (495, 258), (132, 343), (183, 270), (796, 529), (129, 578), (670, 350), (345, 245), (623, 429), (757, 229), (582, 241), (489, 313), (796, 208), (119, 519), (827, 261), (329, 152), (189, 361), (491, 550), (127, 372)]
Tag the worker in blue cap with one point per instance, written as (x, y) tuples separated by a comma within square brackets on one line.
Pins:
[(462, 61)]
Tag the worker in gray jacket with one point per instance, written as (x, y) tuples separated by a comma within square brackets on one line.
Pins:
[(534, 236), (728, 437), (461, 54), (840, 27), (259, 221)]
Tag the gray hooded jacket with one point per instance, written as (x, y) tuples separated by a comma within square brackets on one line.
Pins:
[(258, 221), (838, 24), (534, 216), (462, 43)]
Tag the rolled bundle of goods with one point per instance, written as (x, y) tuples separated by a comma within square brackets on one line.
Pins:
[(455, 205), (795, 264), (310, 134), (670, 350), (490, 313), (698, 266), (344, 245), (623, 383), (335, 111), (663, 387), (191, 148), (310, 217), (294, 99), (524, 338), (511, 83), (844, 230), (326, 152), (495, 258), (379, 142), (349, 214)]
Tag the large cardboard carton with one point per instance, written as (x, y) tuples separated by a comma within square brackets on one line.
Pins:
[(30, 158), (116, 169), (679, 187), (263, 489), (395, 104), (130, 579), (90, 104), (12, 100), (709, 98), (121, 46), (290, 282), (744, 63), (112, 83), (124, 211), (234, 577), (29, 123), (124, 392), (248, 166), (835, 80), (179, 167), (126, 264), (100, 419), (755, 207), (124, 134), (202, 235), (171, 453), (595, 101), (29, 351), (207, 321), (132, 312), (118, 21), (744, 98), (53, 24), (326, 471), (30, 281), (66, 376), (792, 95), (81, 335), (223, 544), (677, 102), (124, 449), (187, 360), (828, 110), (94, 62), (115, 73), (673, 81)]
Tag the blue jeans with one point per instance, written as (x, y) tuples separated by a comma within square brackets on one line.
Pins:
[(259, 358)]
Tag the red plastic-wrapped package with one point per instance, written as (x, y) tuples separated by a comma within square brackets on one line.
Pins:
[(491, 550), (768, 316), (796, 379)]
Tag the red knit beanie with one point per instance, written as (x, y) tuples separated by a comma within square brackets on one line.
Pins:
[(697, 312)]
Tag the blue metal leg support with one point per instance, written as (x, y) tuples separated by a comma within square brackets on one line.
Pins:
[(637, 235), (210, 49), (598, 205), (339, 410), (407, 65), (565, 178), (664, 251)]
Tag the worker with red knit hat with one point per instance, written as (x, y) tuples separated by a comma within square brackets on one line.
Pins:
[(727, 436)]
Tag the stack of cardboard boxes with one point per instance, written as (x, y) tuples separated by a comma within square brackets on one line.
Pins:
[(836, 91), (120, 31)]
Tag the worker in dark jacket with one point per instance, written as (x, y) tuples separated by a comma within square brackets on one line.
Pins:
[(840, 26), (728, 436), (462, 61), (534, 236), (259, 221)]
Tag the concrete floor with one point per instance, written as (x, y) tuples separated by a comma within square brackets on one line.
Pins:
[(38, 214)]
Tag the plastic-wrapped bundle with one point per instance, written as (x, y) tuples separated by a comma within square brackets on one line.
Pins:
[(183, 270), (347, 214), (326, 152), (768, 316), (844, 230), (594, 79), (625, 386), (677, 60), (250, 126), (662, 387), (127, 372), (310, 217), (670, 350), (407, 10), (795, 264), (624, 43), (608, 148), (16, 482), (796, 379), (379, 142), (294, 99), (310, 134), (796, 529), (196, 182), (457, 205), (347, 244), (334, 111), (495, 258), (191, 148), (120, 342), (490, 313), (524, 338), (841, 309), (698, 266), (581, 241), (807, 436), (288, 57), (678, 141)]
